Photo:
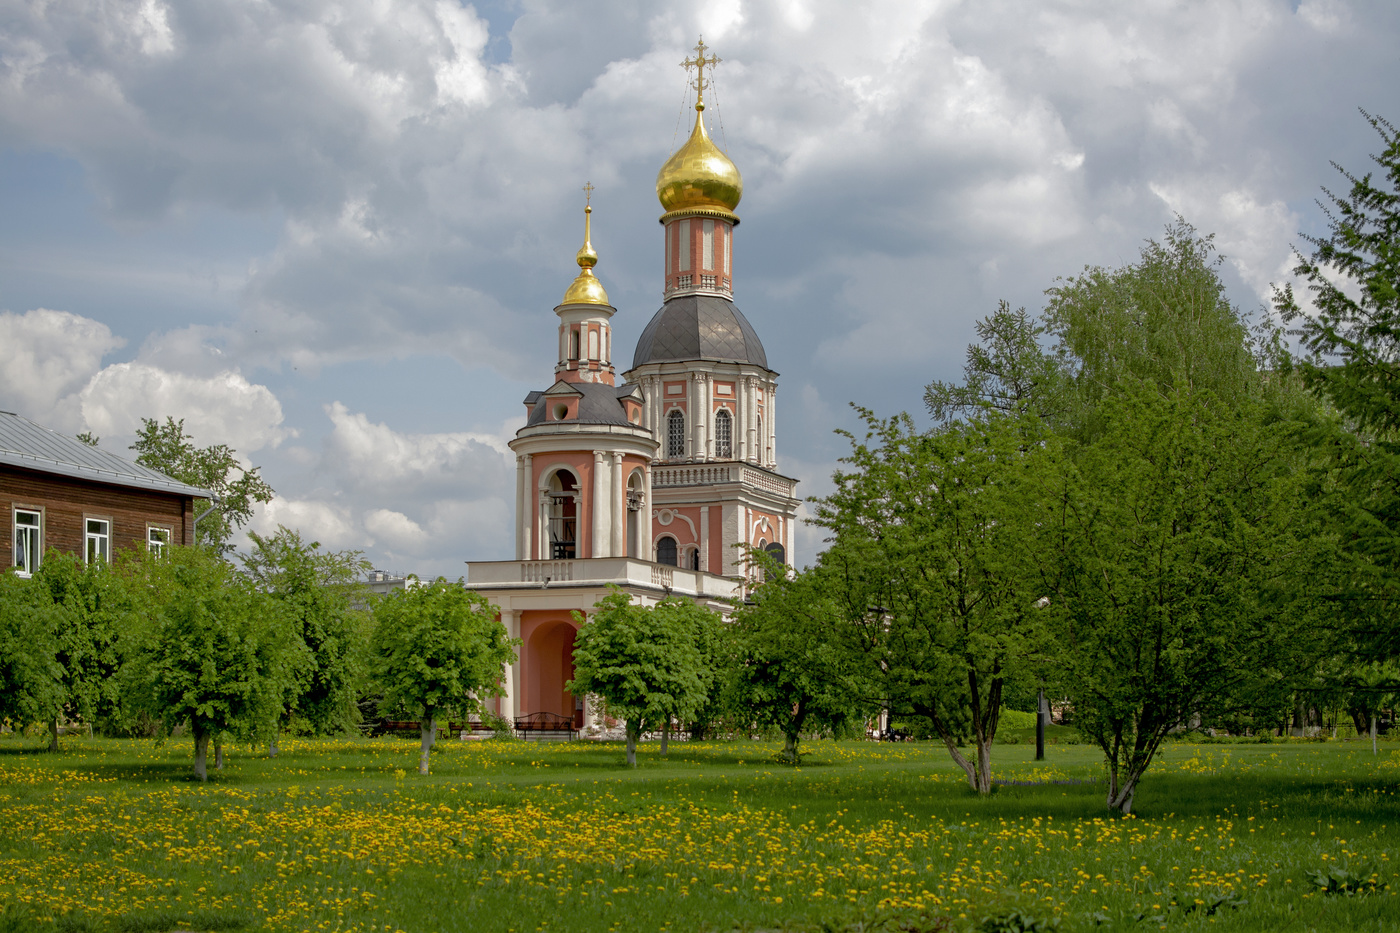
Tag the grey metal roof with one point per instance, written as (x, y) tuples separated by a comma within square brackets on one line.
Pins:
[(601, 404), (699, 327), (34, 447)]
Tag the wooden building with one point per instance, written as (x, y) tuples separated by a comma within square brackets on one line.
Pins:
[(57, 492)]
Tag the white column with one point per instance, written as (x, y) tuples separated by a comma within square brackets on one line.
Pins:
[(510, 703), (654, 407), (619, 508), (542, 548), (697, 417), (787, 541), (772, 422), (522, 504), (598, 513), (644, 518), (705, 538), (751, 418)]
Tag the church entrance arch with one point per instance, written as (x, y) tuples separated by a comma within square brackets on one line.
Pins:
[(549, 665)]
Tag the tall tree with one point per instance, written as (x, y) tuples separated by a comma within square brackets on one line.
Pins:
[(218, 655), (1007, 371), (931, 531), (642, 660), (792, 670), (166, 447), (31, 677), (319, 591), (1351, 339), (438, 649)]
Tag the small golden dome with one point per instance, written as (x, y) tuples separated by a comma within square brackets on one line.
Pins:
[(586, 289), (699, 177)]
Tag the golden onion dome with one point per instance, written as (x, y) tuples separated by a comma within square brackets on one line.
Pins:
[(699, 177), (586, 289)]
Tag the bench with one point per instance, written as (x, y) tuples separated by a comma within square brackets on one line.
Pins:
[(546, 727)]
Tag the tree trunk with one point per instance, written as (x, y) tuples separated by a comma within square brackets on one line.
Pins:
[(1373, 732), (984, 766), (428, 731), (665, 735), (218, 756), (1041, 713), (790, 748), (201, 755), (633, 728), (53, 734), (273, 745)]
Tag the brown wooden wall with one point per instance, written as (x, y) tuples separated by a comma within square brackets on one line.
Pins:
[(66, 502)]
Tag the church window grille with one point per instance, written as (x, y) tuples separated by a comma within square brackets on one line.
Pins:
[(666, 551), (683, 246), (707, 245), (724, 434), (675, 433)]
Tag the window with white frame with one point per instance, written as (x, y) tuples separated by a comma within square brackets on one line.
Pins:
[(97, 540), (157, 540), (27, 543), (724, 434), (675, 433)]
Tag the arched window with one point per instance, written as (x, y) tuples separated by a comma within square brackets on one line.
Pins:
[(563, 516), (666, 551), (777, 552), (694, 558), (675, 434), (724, 434)]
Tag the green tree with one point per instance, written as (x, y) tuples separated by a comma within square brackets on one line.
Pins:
[(318, 591), (437, 648), (1351, 343), (1007, 371), (94, 602), (931, 537), (642, 660), (218, 655), (792, 672), (166, 447), (31, 677)]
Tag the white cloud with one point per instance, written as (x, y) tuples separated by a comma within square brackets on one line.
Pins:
[(49, 355), (331, 524), (221, 409), (377, 456), (394, 529)]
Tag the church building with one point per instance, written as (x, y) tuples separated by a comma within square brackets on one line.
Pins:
[(652, 483)]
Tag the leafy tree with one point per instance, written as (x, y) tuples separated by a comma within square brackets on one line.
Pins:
[(318, 591), (166, 447), (31, 678), (1006, 372), (642, 660), (437, 648), (87, 437), (1351, 342), (218, 655), (94, 604), (792, 671), (931, 531)]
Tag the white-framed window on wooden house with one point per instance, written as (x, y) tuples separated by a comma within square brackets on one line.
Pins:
[(28, 548), (157, 540), (97, 540)]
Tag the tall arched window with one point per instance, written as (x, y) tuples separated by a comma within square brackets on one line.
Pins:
[(675, 434), (666, 551), (724, 434)]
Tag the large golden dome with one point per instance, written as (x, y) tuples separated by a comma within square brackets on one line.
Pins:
[(699, 178)]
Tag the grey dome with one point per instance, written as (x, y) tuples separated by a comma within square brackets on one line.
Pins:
[(699, 327)]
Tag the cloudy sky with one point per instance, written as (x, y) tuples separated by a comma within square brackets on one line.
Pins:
[(331, 234)]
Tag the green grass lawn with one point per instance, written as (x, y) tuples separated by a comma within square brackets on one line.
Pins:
[(522, 837)]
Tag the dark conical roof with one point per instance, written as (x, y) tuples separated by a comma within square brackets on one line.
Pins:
[(699, 327)]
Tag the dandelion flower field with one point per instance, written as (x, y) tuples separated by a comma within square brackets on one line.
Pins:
[(342, 835)]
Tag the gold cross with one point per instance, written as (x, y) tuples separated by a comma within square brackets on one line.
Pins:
[(699, 62), (587, 193)]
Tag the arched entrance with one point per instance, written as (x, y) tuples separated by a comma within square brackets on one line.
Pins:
[(549, 665)]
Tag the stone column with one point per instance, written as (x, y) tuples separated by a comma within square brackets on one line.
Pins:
[(619, 508), (644, 518), (772, 422), (597, 513), (697, 416), (542, 544), (705, 538), (510, 703), (755, 455), (522, 506)]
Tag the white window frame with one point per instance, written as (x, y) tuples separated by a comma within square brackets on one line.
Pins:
[(102, 538), (675, 438), (154, 542), (724, 434), (33, 531)]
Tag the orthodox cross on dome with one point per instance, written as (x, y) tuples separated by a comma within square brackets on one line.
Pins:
[(700, 62), (588, 196)]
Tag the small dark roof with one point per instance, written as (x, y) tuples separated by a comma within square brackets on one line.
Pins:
[(34, 447), (600, 404), (699, 327)]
